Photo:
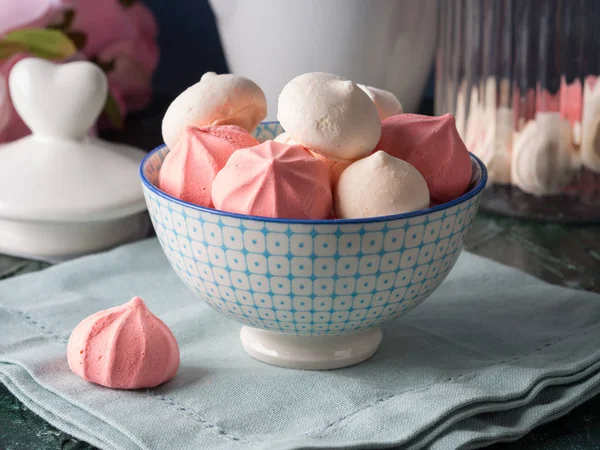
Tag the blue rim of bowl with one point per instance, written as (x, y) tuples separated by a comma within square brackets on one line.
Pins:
[(457, 201)]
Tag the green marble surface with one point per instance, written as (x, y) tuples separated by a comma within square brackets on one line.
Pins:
[(564, 255)]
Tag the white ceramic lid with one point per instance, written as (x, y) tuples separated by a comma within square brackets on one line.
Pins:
[(59, 173)]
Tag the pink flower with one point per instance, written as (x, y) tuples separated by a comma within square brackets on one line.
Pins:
[(124, 37), (129, 42), (103, 121), (12, 126), (130, 75), (103, 23), (5, 109), (144, 20), (16, 14), (147, 29)]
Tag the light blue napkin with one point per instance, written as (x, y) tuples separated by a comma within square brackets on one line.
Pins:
[(491, 354)]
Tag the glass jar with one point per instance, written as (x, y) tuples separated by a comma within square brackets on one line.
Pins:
[(521, 78)]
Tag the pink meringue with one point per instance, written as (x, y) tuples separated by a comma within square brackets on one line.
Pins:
[(571, 101), (335, 167), (190, 168), (432, 145), (126, 347), (274, 180)]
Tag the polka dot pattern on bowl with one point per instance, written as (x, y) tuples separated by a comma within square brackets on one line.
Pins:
[(303, 278)]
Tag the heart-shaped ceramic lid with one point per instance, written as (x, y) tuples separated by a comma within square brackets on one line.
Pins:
[(59, 173), (58, 101)]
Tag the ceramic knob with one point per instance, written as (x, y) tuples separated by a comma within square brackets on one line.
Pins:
[(64, 193), (58, 100)]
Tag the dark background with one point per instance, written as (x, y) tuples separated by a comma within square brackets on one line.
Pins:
[(189, 44)]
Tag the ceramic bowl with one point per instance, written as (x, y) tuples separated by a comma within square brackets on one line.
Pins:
[(310, 294)]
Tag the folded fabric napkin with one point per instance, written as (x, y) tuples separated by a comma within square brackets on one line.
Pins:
[(491, 354)]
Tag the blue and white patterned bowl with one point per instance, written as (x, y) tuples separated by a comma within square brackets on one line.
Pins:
[(309, 278)]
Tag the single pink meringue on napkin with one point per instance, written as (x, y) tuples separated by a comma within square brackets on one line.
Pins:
[(126, 347)]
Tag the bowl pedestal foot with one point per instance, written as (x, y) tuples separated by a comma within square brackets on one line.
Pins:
[(310, 352)]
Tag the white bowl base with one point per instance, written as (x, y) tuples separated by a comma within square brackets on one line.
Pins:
[(310, 352)]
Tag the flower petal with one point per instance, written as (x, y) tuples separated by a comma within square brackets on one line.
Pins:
[(103, 22), (27, 13), (15, 128)]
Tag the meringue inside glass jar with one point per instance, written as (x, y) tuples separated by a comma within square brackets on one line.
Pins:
[(521, 79)]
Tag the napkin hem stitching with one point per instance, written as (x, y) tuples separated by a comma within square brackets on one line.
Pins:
[(443, 382), (500, 404), (169, 402), (42, 327), (22, 394), (196, 416), (513, 435), (217, 430)]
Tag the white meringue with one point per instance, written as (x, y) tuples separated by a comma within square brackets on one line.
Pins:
[(387, 104), (215, 100), (495, 151), (541, 158), (590, 128), (461, 109), (474, 134), (329, 115), (379, 185)]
